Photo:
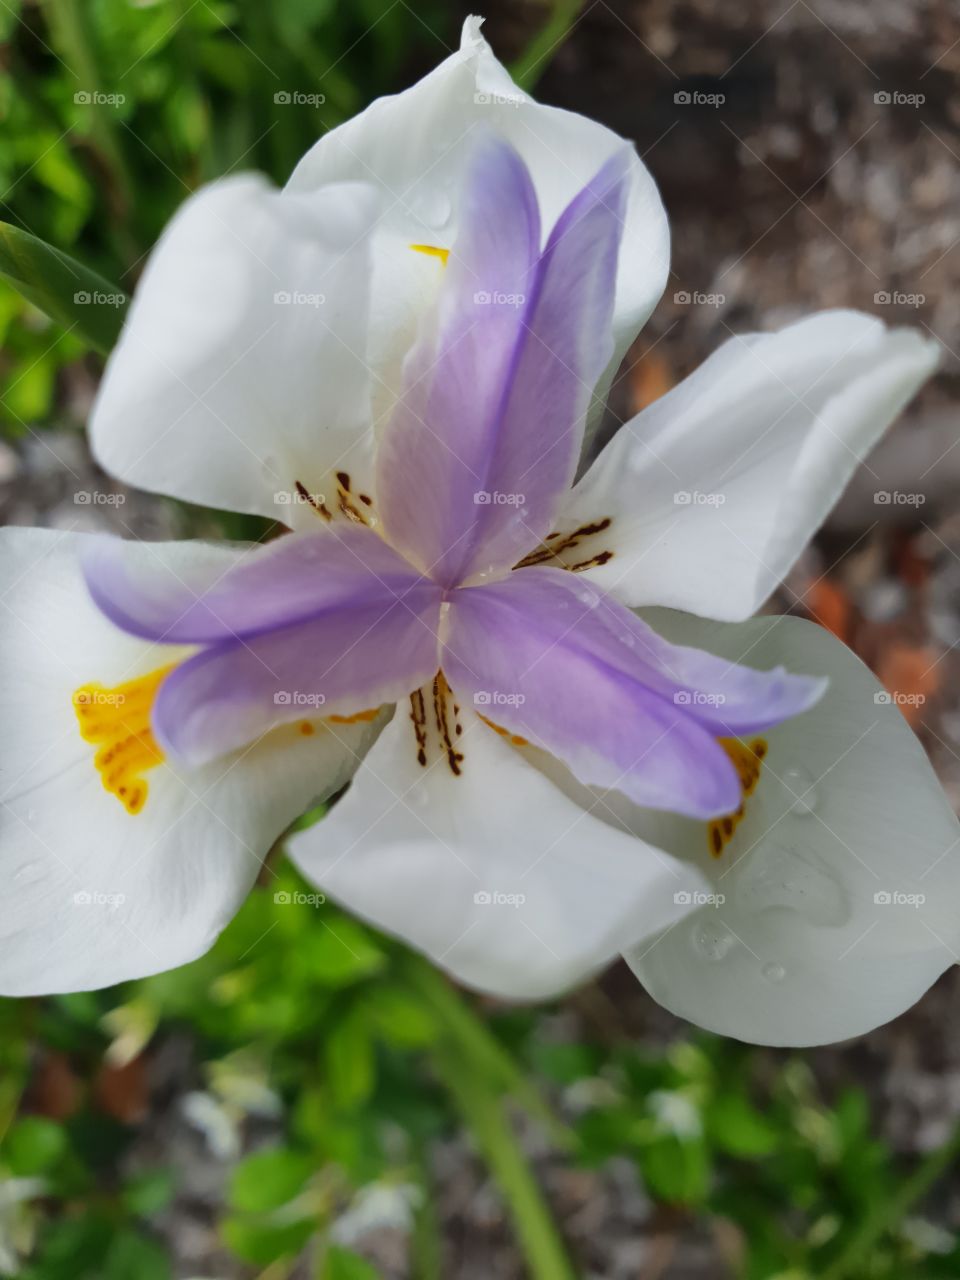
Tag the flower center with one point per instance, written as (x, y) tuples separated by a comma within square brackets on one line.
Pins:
[(747, 760)]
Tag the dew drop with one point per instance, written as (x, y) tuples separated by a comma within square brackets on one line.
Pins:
[(799, 783), (773, 972), (28, 873), (712, 941), (781, 876), (433, 207)]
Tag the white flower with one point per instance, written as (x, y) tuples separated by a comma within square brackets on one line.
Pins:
[(305, 355)]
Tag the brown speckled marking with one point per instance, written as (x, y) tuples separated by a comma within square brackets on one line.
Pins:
[(418, 714), (551, 550), (345, 499), (747, 760), (440, 692), (319, 507)]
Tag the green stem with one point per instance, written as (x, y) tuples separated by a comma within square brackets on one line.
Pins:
[(534, 60), (483, 1113), (477, 1045), (885, 1217), (425, 1245)]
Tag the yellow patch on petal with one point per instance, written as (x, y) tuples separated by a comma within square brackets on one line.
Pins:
[(515, 738), (747, 759), (432, 251), (117, 721), (359, 717)]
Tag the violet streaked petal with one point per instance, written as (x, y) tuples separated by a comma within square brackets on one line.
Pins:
[(554, 660), (485, 438), (231, 593), (342, 663)]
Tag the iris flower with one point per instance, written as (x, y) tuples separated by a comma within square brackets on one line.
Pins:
[(402, 355)]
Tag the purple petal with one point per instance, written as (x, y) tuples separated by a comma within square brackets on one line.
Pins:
[(486, 436), (291, 580), (553, 659), (347, 661)]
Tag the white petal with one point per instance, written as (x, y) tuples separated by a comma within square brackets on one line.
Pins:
[(493, 873), (241, 368), (413, 144), (715, 489), (842, 882), (92, 894)]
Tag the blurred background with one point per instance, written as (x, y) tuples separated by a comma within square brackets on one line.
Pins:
[(309, 1100)]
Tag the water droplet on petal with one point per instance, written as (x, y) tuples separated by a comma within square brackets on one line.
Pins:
[(28, 873), (773, 972), (433, 207), (799, 784), (712, 941), (780, 876)]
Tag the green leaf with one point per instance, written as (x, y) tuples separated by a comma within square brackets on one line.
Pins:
[(342, 1264), (740, 1129), (261, 1242), (149, 1192), (676, 1171), (71, 294), (401, 1016), (134, 1255), (33, 1146), (349, 1060), (269, 1179)]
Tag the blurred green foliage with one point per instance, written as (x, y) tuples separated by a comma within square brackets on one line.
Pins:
[(318, 1061)]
